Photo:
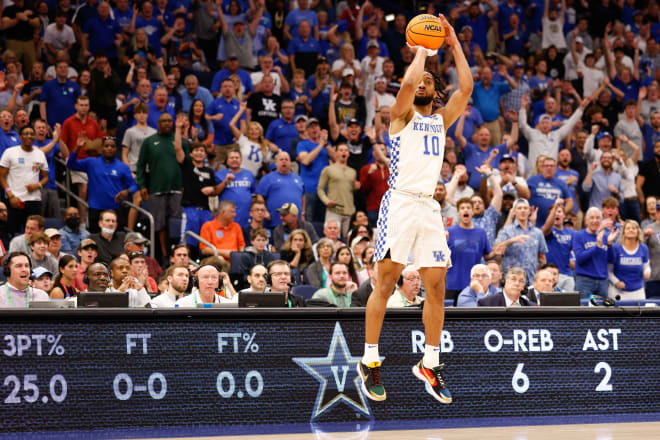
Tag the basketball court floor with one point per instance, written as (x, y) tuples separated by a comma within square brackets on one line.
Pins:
[(612, 431)]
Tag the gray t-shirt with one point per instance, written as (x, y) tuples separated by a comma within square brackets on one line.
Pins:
[(632, 131), (133, 138), (653, 243), (12, 297)]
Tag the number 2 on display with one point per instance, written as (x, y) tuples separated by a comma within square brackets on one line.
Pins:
[(435, 145)]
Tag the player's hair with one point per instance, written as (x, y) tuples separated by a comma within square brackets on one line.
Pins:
[(440, 86)]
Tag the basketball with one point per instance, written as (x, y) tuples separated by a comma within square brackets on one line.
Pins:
[(425, 30)]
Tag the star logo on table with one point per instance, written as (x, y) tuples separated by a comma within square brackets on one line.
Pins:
[(337, 375)]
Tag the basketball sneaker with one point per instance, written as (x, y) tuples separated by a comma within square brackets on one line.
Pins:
[(371, 386), (435, 381)]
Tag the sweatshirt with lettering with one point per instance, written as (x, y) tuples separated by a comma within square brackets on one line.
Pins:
[(590, 259)]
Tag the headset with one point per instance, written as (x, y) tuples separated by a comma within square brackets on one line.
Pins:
[(597, 300), (399, 282), (267, 277), (85, 279), (6, 269)]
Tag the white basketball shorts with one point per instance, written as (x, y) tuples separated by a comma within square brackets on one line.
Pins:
[(410, 224)]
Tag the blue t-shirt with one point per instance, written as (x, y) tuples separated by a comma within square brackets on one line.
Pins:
[(630, 90), (294, 95), (298, 45), (543, 193), (537, 83), (201, 133), (560, 244), (590, 260), (123, 18), (240, 192), (488, 100), (504, 13), (223, 134), (154, 31), (474, 157), (10, 139), (50, 157), (472, 121), (155, 113), (281, 133), (106, 179), (60, 99), (102, 34), (279, 189), (468, 247), (479, 26), (246, 80), (322, 101), (362, 48), (296, 16), (629, 267), (572, 188), (311, 173)]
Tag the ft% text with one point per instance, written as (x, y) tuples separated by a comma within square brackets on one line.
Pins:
[(237, 342), (43, 345)]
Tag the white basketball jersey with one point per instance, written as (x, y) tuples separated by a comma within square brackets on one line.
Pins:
[(416, 155)]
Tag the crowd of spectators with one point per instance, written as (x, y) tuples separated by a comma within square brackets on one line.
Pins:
[(261, 127)]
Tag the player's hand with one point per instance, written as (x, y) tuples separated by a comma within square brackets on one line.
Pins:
[(451, 40), (429, 52)]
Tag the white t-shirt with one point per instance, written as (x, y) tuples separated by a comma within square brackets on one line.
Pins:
[(164, 300), (133, 138), (60, 40), (256, 78), (553, 33), (591, 79), (24, 168), (253, 157)]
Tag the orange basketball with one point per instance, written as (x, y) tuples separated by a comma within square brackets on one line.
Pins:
[(425, 30)]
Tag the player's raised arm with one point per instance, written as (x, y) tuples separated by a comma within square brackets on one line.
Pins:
[(459, 99), (402, 109)]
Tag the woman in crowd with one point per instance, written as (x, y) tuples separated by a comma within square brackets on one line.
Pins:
[(200, 129), (256, 150), (628, 264), (297, 250), (317, 272), (346, 61), (62, 288), (344, 255), (648, 216)]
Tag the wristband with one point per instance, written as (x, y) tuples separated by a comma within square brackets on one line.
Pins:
[(484, 176)]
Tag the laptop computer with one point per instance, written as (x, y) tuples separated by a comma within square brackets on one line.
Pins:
[(53, 304), (560, 299), (103, 299), (258, 299)]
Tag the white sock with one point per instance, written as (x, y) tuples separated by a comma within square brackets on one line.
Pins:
[(431, 356), (370, 354)]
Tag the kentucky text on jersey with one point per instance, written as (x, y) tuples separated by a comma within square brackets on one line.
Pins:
[(428, 127), (630, 261)]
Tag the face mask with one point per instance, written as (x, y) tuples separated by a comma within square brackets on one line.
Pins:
[(73, 222), (107, 231)]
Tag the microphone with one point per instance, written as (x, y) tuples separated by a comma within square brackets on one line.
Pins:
[(618, 297)]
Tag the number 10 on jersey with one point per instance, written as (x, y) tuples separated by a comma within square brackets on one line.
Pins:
[(434, 147)]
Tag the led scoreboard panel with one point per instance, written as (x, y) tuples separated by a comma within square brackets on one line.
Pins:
[(236, 371)]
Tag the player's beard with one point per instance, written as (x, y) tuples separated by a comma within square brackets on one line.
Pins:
[(422, 101)]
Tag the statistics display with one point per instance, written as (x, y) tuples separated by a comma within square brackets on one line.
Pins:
[(87, 371)]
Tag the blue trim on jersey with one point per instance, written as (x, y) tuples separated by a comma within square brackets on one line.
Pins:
[(395, 154), (381, 248)]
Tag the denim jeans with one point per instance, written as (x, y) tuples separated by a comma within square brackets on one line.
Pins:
[(590, 286)]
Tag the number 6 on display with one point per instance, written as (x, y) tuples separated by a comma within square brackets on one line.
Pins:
[(520, 381)]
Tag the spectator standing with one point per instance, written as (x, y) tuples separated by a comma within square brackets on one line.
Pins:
[(373, 182), (159, 174), (628, 264), (264, 106), (283, 130), (560, 245), (237, 185), (194, 91), (135, 136), (19, 23), (109, 241), (304, 49), (486, 95), (23, 174), (76, 126), (199, 183), (523, 244), (103, 90), (221, 112), (468, 245), (590, 246), (568, 175), (59, 96), (8, 137), (652, 241), (72, 233), (281, 186), (313, 155), (110, 179), (101, 33), (58, 36), (223, 232), (603, 181), (231, 68), (50, 201), (340, 181), (448, 211), (545, 189)]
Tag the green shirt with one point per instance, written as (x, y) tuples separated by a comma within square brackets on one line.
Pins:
[(157, 167), (330, 296)]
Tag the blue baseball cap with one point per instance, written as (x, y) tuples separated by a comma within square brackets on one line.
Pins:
[(602, 134), (38, 272)]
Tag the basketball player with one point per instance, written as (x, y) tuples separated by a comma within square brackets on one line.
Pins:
[(409, 221)]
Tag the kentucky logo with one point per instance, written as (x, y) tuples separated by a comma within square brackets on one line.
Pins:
[(338, 377), (439, 256)]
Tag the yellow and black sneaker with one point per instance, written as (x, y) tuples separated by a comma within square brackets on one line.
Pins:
[(371, 386), (435, 381)]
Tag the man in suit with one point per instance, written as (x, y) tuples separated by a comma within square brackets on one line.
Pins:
[(543, 280), (514, 283)]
